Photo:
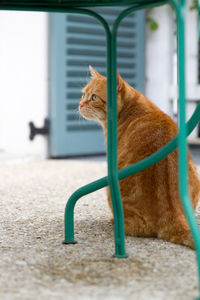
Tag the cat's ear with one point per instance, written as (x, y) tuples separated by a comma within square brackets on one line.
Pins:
[(120, 82), (93, 72)]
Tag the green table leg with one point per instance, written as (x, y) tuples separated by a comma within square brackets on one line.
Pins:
[(111, 143), (112, 149), (183, 167), (69, 211)]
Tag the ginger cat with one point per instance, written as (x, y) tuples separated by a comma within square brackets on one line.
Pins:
[(151, 203)]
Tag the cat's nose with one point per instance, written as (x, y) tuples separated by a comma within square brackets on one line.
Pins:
[(81, 105)]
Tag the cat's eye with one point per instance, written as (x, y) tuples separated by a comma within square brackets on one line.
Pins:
[(94, 97), (83, 95)]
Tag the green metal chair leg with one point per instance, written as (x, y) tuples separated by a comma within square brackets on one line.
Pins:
[(112, 179), (183, 168), (111, 144), (112, 151), (112, 137)]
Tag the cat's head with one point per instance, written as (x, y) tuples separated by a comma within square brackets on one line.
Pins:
[(93, 102)]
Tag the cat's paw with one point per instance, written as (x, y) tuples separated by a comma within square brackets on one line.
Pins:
[(112, 220)]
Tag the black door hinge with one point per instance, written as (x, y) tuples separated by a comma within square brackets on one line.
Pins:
[(39, 130)]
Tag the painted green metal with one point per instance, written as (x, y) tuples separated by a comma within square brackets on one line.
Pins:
[(112, 160), (183, 166), (183, 172), (67, 6), (112, 150), (63, 4), (112, 136), (111, 141)]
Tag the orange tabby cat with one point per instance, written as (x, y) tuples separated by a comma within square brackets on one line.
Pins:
[(152, 207)]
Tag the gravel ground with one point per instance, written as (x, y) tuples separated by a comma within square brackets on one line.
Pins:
[(36, 265)]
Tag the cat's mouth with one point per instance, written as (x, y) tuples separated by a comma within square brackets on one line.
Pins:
[(81, 105), (81, 108), (84, 112)]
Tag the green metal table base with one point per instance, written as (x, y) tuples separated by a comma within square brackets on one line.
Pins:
[(180, 140), (112, 180)]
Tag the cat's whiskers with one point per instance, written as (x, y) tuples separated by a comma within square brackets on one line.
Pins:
[(79, 117)]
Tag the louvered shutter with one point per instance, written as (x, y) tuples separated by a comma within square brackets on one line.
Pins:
[(77, 41)]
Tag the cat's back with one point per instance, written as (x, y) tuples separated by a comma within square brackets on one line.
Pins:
[(150, 132), (147, 134)]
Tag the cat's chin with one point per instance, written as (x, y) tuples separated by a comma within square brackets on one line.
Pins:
[(84, 115), (87, 118)]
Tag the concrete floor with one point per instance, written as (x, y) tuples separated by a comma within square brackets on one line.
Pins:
[(36, 265)]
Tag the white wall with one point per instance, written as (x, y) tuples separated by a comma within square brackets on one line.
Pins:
[(192, 49), (159, 50), (161, 65), (23, 80), (192, 88)]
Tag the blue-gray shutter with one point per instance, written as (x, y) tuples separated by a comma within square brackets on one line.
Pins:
[(77, 41)]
